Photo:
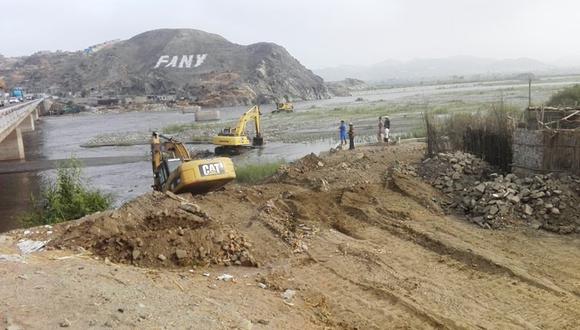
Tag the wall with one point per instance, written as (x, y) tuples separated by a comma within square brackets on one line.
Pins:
[(540, 151)]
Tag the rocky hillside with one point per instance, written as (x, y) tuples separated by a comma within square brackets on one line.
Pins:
[(186, 62)]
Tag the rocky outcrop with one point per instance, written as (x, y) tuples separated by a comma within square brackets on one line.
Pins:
[(346, 86), (188, 63)]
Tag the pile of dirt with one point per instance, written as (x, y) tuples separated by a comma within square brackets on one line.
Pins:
[(159, 230), (493, 200)]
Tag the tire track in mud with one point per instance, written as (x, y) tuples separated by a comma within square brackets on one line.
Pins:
[(483, 264), (479, 262), (434, 320), (379, 215)]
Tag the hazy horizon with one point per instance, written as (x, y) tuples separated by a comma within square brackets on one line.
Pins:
[(324, 34)]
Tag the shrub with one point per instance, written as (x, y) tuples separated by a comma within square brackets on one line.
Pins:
[(568, 97), (253, 173), (66, 198)]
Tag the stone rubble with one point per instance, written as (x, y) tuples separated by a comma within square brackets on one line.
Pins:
[(492, 200)]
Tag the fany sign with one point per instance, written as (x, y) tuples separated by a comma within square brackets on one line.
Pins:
[(182, 62)]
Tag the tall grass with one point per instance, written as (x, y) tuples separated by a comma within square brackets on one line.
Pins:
[(487, 134), (66, 198), (256, 172)]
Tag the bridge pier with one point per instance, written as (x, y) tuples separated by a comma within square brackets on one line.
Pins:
[(27, 125), (11, 143), (12, 147)]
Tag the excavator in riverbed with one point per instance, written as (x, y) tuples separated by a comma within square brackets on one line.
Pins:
[(284, 107), (234, 140), (174, 170)]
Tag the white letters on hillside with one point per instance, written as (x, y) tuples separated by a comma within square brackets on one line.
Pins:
[(184, 61)]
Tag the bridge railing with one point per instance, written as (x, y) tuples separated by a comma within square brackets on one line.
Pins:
[(11, 115)]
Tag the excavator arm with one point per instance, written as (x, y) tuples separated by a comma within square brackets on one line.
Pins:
[(252, 114)]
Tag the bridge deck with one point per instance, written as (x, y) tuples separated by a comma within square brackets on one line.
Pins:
[(11, 117)]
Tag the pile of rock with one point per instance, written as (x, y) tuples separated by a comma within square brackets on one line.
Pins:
[(492, 200)]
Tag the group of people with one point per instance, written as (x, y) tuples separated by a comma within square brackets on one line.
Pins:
[(383, 133)]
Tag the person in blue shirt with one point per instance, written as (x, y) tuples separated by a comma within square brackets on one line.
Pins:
[(342, 130)]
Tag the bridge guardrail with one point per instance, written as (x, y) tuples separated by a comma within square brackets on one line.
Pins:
[(10, 115)]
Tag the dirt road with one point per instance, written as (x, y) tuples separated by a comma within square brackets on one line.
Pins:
[(347, 244)]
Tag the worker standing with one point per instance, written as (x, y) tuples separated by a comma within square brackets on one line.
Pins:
[(381, 134), (342, 130), (351, 136), (387, 125)]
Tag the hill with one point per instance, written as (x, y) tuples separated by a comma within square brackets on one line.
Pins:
[(191, 63)]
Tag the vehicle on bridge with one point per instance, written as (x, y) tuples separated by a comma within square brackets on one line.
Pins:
[(18, 93)]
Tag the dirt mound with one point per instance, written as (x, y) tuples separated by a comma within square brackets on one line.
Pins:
[(157, 230)]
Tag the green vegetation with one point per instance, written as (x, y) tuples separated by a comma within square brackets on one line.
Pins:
[(568, 97), (440, 111), (254, 173), (415, 133), (66, 198), (179, 128)]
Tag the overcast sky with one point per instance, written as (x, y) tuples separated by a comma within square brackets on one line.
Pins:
[(320, 33)]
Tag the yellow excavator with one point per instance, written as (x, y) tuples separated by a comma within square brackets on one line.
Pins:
[(285, 106), (175, 171), (234, 140)]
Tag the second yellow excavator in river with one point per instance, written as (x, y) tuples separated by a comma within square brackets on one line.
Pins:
[(175, 171), (234, 140)]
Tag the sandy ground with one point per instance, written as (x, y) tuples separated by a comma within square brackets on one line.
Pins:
[(360, 249)]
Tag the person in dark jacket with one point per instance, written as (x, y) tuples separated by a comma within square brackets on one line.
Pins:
[(387, 126), (351, 136)]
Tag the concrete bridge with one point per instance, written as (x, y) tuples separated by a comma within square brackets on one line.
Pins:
[(14, 121)]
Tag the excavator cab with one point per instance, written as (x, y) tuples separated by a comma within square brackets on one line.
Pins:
[(168, 166), (175, 171)]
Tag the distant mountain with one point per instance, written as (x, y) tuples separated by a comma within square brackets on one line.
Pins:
[(434, 68), (184, 62)]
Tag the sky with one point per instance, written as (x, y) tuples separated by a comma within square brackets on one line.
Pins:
[(320, 33)]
